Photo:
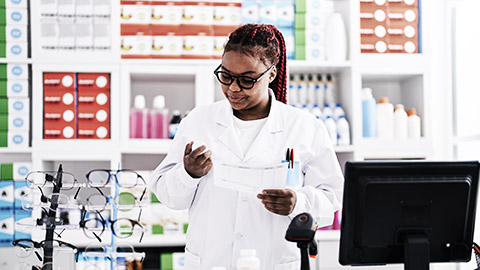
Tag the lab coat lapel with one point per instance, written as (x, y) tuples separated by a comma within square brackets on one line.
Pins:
[(268, 136), (227, 134)]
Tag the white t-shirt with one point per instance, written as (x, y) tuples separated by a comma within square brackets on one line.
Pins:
[(247, 131)]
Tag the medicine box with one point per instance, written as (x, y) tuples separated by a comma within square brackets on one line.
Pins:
[(84, 8), (227, 13), (66, 34), (21, 232), (6, 193), (250, 12), (14, 3), (167, 44), (13, 15), (289, 36), (16, 139), (22, 193), (286, 13), (14, 88), (14, 122), (13, 33), (136, 46), (101, 34), (166, 12), (48, 33), (101, 8), (6, 227), (197, 13), (138, 13), (172, 261), (14, 71), (66, 8), (198, 42), (84, 34), (268, 12)]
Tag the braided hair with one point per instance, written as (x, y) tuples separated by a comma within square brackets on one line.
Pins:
[(266, 43)]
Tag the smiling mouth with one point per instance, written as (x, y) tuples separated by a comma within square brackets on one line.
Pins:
[(235, 99)]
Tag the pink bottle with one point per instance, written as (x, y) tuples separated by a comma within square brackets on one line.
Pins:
[(139, 119), (159, 120)]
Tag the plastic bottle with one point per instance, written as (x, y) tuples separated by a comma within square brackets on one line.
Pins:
[(292, 91), (319, 88), (174, 122), (139, 118), (400, 126), (343, 131), (414, 127), (248, 260), (384, 119), (302, 91), (317, 112), (329, 91), (305, 108), (335, 38), (159, 119), (327, 111), (310, 91), (338, 111), (369, 114), (331, 128)]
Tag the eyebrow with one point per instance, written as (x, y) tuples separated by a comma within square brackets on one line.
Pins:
[(244, 73)]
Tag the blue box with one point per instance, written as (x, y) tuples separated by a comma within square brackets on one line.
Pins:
[(21, 232), (268, 12), (6, 195), (6, 227), (289, 36), (250, 12), (286, 13), (21, 191)]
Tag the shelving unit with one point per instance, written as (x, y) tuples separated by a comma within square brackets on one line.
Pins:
[(189, 83)]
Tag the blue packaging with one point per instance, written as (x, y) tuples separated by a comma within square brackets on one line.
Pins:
[(20, 192), (369, 114), (286, 13), (6, 227), (6, 195), (250, 12), (289, 36), (268, 12), (21, 232)]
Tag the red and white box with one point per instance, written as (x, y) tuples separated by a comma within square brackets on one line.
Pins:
[(198, 42), (166, 12), (93, 111), (59, 118), (167, 42), (403, 26)]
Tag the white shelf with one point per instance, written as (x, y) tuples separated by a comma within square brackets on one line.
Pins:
[(344, 148), (12, 150), (76, 150), (395, 149), (17, 61), (391, 66), (146, 146)]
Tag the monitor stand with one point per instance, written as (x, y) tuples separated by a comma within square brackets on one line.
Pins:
[(416, 252)]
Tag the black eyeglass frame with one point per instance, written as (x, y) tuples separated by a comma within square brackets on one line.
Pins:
[(237, 78), (113, 173)]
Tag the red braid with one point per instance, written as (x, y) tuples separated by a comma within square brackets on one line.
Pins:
[(266, 43), (279, 84)]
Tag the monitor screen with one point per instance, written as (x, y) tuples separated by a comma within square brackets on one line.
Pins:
[(411, 212)]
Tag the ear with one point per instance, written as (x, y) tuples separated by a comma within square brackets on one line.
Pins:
[(273, 74)]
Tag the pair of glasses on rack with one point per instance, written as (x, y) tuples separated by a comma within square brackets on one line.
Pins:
[(25, 247), (96, 252), (124, 201), (58, 222), (93, 225)]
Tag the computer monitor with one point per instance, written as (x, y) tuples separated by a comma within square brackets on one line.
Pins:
[(412, 212)]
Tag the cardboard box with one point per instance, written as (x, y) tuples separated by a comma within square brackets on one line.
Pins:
[(20, 170), (6, 227), (227, 13), (18, 139), (300, 6), (66, 34), (48, 34), (18, 50), (300, 21), (268, 12), (299, 52), (19, 105), (286, 14), (14, 122), (167, 45), (22, 193), (14, 71), (16, 3), (135, 12), (136, 46), (13, 16), (84, 8), (84, 34), (101, 8), (250, 12), (48, 9), (13, 33), (197, 13), (66, 8), (102, 34), (6, 190), (166, 12), (22, 232)]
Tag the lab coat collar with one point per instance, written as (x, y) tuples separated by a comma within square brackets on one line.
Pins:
[(264, 140)]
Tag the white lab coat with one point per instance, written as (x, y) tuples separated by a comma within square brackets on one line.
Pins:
[(223, 221)]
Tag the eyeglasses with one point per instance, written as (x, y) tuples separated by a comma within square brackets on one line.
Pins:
[(40, 178), (54, 201), (25, 247), (125, 201), (245, 82), (124, 178), (95, 251), (95, 226)]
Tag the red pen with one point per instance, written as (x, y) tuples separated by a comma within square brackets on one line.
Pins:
[(291, 157)]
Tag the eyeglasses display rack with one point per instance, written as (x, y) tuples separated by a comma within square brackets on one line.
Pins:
[(93, 227)]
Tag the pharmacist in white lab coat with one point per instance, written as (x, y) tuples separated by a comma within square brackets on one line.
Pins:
[(251, 126)]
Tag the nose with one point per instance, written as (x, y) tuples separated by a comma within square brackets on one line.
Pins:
[(234, 87)]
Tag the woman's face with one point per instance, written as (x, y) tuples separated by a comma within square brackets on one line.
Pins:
[(248, 104)]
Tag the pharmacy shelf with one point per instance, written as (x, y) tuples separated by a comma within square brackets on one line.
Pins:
[(15, 60), (309, 66), (388, 66), (76, 150), (13, 150), (395, 149), (150, 240), (146, 146)]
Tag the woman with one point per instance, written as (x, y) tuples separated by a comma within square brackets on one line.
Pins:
[(249, 127)]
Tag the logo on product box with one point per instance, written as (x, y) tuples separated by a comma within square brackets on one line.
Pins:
[(16, 50), (16, 16), (16, 70), (17, 88), (18, 106), (16, 33), (22, 170), (18, 122), (17, 139)]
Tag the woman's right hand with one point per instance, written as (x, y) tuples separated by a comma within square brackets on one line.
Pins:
[(197, 164)]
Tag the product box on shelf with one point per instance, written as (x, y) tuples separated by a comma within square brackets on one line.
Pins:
[(250, 11), (13, 71), (166, 12), (23, 194), (167, 42), (101, 8), (14, 88), (172, 261), (135, 12), (197, 13), (268, 12), (59, 106), (65, 8), (6, 227), (286, 14), (93, 112), (227, 13), (48, 33), (14, 3), (84, 8), (83, 33), (102, 34), (402, 28), (289, 36), (198, 42), (14, 138), (7, 193), (136, 46), (14, 122), (13, 15), (21, 232), (66, 33)]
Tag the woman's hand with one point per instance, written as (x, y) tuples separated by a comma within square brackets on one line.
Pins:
[(197, 164), (278, 201)]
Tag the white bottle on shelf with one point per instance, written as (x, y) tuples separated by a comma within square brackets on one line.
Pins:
[(317, 112), (292, 91), (139, 119), (248, 260), (335, 38), (302, 91), (338, 111), (330, 91), (331, 128), (414, 126), (343, 131), (310, 91), (400, 126), (369, 114), (384, 119), (319, 90), (327, 111)]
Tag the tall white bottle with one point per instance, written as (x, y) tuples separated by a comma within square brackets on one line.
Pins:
[(310, 91), (317, 112), (302, 91), (327, 111), (292, 91), (248, 260), (319, 90), (384, 119), (331, 128), (335, 38), (330, 91), (338, 111), (343, 131), (400, 126), (414, 125)]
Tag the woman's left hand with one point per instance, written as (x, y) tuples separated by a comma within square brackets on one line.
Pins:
[(278, 201)]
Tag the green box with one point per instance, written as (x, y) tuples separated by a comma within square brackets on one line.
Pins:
[(154, 199), (3, 138), (3, 122), (3, 105), (6, 171), (299, 21), (185, 227), (299, 52), (3, 71), (3, 88), (301, 6), (166, 261), (3, 49), (299, 36), (3, 32), (3, 14), (157, 229)]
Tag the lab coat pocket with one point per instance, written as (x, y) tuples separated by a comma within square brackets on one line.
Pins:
[(295, 265), (192, 261)]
